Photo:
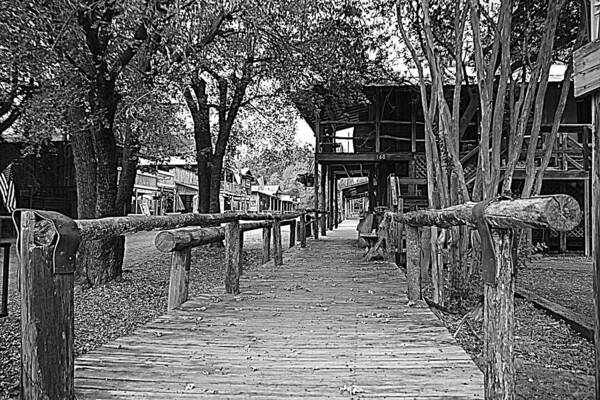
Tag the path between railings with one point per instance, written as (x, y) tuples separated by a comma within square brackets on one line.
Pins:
[(326, 324)]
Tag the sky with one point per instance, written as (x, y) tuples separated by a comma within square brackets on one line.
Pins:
[(304, 134)]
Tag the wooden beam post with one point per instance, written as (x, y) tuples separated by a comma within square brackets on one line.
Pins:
[(316, 171), (266, 244), (277, 248), (330, 205), (336, 205), (498, 321), (179, 279), (413, 267), (293, 233), (323, 217), (596, 231), (233, 264), (586, 218), (302, 230), (47, 320), (315, 223), (372, 198), (5, 272)]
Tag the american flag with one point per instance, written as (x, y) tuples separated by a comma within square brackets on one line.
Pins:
[(7, 188)]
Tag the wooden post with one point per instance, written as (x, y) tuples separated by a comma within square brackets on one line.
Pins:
[(498, 321), (425, 253), (266, 242), (293, 233), (390, 240), (179, 280), (323, 217), (331, 215), (5, 272), (233, 263), (277, 248), (302, 230), (586, 218), (316, 171), (47, 366), (596, 231), (316, 225), (372, 200), (562, 239), (413, 268), (336, 206)]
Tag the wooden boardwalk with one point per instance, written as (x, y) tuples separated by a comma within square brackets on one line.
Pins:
[(326, 324)]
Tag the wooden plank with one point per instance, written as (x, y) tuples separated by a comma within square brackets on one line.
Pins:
[(571, 318), (324, 321), (586, 69)]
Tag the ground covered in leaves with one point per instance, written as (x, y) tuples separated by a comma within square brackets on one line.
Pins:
[(115, 309), (552, 360), (564, 279)]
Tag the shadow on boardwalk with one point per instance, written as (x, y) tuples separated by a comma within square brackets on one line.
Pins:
[(326, 324)]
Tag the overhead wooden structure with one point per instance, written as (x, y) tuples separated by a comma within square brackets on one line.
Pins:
[(386, 136)]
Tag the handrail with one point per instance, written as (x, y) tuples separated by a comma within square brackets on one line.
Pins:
[(495, 222), (91, 229), (47, 245)]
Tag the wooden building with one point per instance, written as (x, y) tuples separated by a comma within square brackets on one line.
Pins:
[(268, 198), (386, 136)]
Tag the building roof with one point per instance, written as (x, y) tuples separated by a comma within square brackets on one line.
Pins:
[(270, 190)]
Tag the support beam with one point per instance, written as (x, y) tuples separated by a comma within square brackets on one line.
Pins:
[(596, 231), (587, 226), (330, 197), (336, 204), (372, 189), (323, 217), (316, 169)]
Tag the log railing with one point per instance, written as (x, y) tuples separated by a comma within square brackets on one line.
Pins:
[(180, 241), (47, 246), (495, 222)]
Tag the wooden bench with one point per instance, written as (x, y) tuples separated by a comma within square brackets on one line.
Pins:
[(375, 245)]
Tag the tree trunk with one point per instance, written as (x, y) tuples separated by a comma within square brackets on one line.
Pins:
[(204, 150), (94, 153), (215, 185), (129, 165)]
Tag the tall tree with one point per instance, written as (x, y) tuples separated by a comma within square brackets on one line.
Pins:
[(262, 50), (91, 47)]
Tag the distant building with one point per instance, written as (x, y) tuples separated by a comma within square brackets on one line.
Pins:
[(268, 198)]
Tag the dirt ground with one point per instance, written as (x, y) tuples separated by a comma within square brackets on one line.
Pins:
[(552, 360)]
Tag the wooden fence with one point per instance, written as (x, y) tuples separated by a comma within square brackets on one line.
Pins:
[(495, 221), (47, 246)]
